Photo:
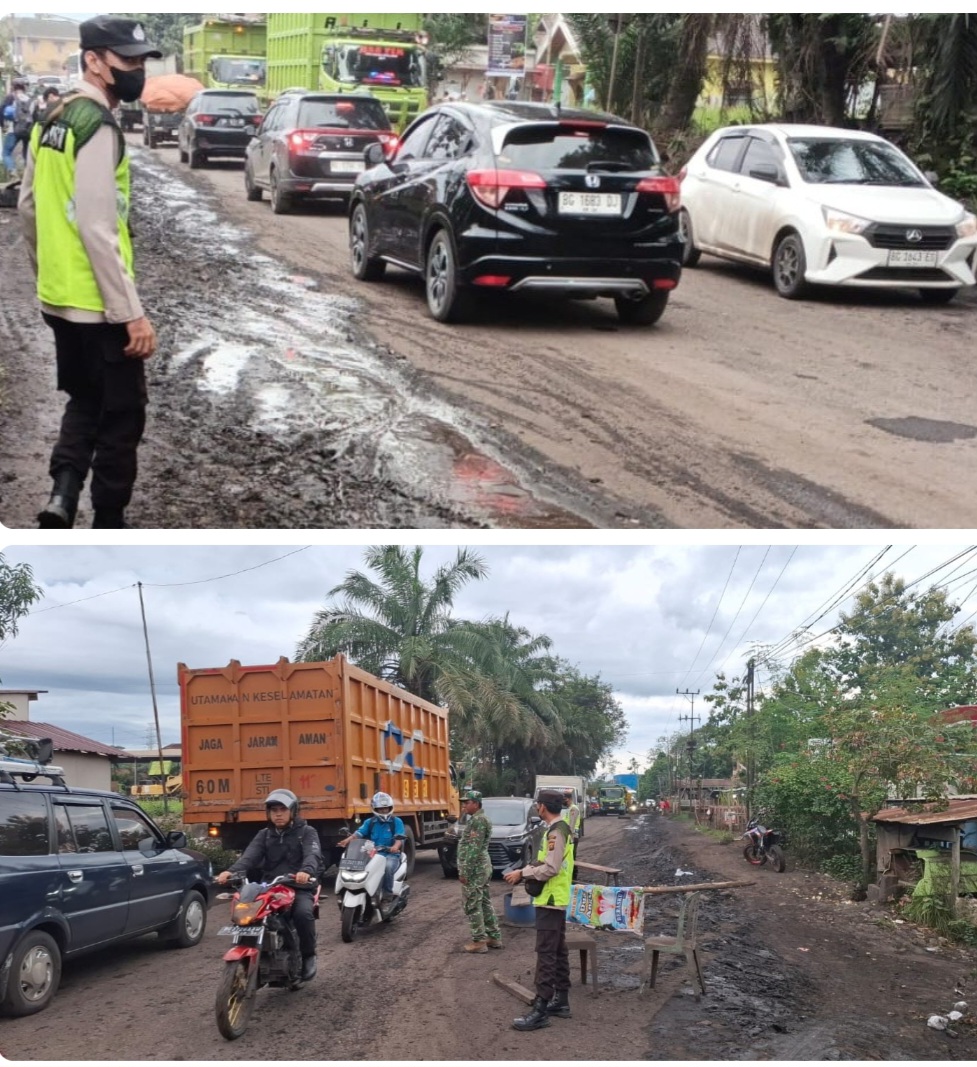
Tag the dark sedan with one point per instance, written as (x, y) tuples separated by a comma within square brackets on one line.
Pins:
[(310, 147), (521, 197)]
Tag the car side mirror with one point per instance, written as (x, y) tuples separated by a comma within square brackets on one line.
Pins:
[(535, 821), (176, 839), (931, 176), (374, 154), (766, 172)]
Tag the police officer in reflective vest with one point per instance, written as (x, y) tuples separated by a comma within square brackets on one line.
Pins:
[(74, 204), (554, 868)]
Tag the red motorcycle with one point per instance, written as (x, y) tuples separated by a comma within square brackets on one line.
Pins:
[(765, 845), (265, 949)]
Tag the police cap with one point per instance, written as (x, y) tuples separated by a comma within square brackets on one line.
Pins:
[(125, 37)]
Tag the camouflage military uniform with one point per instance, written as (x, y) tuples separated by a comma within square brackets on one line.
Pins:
[(475, 867)]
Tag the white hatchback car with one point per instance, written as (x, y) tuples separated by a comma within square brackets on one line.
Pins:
[(825, 206)]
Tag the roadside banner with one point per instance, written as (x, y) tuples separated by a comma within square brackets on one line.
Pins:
[(607, 907), (507, 45)]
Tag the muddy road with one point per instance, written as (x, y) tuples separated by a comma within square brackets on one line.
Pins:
[(289, 395), (793, 971)]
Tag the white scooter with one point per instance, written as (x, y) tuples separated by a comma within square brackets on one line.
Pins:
[(359, 886)]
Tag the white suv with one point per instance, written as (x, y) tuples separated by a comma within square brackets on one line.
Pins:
[(826, 206)]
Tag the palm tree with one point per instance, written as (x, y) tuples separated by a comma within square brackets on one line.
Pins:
[(950, 54), (397, 625)]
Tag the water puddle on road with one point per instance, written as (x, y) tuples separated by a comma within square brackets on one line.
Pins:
[(275, 354)]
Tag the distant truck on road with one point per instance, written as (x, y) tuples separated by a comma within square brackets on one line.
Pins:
[(228, 52), (385, 55), (561, 782), (330, 732)]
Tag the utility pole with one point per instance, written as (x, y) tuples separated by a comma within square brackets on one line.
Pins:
[(691, 719), (152, 689), (750, 756)]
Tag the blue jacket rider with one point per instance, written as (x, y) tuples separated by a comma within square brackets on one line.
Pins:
[(387, 832)]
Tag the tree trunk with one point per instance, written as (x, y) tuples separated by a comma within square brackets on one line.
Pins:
[(834, 73), (684, 92)]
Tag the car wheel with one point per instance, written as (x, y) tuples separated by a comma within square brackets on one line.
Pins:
[(690, 254), (34, 975), (188, 928), (366, 268), (644, 312), (197, 158), (938, 296), (281, 202), (254, 193), (446, 298), (790, 267)]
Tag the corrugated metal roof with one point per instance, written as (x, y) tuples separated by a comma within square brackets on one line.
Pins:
[(64, 740), (958, 811)]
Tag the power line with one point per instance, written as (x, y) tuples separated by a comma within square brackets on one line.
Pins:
[(715, 613), (742, 636), (729, 629), (170, 585)]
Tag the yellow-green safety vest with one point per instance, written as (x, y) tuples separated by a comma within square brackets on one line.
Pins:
[(556, 892), (64, 274)]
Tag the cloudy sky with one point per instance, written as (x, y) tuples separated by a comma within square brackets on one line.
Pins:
[(649, 620)]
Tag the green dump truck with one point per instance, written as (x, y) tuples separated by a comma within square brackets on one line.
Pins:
[(227, 52), (385, 55)]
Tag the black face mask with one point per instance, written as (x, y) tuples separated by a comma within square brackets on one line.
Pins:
[(128, 84)]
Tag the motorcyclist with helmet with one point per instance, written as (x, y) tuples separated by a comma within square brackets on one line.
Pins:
[(387, 832), (288, 846)]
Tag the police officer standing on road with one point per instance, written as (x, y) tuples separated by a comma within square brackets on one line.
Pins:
[(554, 868), (74, 203), (571, 812), (475, 873)]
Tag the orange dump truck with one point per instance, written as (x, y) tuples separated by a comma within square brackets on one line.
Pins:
[(330, 732)]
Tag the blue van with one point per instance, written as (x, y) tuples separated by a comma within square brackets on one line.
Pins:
[(80, 870)]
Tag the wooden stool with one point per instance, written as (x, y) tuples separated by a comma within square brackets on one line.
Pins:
[(577, 939), (610, 875)]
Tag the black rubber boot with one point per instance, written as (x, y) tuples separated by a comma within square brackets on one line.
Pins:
[(559, 1006), (536, 1018), (59, 512), (309, 968), (110, 519)]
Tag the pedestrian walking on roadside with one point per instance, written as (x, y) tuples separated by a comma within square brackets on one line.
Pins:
[(571, 812), (74, 205), (475, 873), (553, 868)]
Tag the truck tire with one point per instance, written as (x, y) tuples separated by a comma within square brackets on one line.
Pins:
[(410, 850)]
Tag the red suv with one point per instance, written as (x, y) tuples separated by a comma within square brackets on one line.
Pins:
[(311, 145)]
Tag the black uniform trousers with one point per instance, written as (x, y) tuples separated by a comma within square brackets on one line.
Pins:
[(552, 958), (304, 920), (105, 415)]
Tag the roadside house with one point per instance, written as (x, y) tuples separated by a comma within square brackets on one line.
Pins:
[(87, 763)]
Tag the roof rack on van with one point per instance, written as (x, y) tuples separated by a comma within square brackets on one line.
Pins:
[(38, 765)]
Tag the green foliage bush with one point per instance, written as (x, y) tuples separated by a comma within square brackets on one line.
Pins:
[(846, 868), (806, 799)]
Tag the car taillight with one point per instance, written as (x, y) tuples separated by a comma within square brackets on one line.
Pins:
[(669, 188), (390, 142), (255, 120), (303, 138), (205, 120), (491, 187)]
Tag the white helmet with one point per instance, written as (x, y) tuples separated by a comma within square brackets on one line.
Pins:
[(382, 800)]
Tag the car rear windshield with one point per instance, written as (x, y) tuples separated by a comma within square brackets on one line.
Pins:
[(569, 147), (243, 102), (343, 114), (839, 161), (505, 812)]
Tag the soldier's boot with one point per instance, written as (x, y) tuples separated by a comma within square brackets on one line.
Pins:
[(59, 512), (476, 946), (559, 1006), (535, 1019)]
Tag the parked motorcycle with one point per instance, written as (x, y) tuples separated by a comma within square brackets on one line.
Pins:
[(265, 949), (765, 845), (359, 887)]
